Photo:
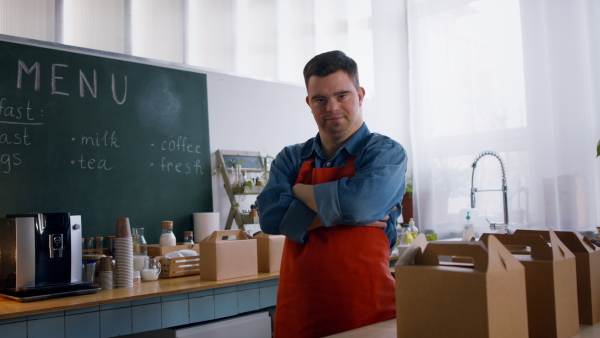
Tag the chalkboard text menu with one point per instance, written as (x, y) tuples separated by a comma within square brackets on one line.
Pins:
[(102, 137)]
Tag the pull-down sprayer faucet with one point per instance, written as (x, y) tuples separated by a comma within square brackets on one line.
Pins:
[(504, 187)]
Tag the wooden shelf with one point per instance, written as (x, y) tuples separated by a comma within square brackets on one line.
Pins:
[(251, 163)]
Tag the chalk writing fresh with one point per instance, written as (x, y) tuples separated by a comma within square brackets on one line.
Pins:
[(57, 78), (181, 168)]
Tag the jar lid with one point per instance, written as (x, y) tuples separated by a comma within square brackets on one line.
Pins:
[(167, 224), (188, 233)]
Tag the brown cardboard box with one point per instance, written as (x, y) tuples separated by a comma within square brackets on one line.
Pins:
[(587, 257), (551, 284), (269, 249), (224, 259), (155, 250), (483, 299)]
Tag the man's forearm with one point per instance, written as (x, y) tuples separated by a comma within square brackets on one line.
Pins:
[(305, 193)]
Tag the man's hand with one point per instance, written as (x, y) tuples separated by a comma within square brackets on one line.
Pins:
[(382, 222)]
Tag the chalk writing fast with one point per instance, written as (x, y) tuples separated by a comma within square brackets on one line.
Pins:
[(86, 81)]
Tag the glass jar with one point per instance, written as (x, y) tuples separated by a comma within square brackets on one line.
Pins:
[(99, 246), (167, 238), (152, 270), (188, 237), (139, 242), (89, 248)]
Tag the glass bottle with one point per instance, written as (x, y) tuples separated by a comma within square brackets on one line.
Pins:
[(99, 246), (89, 247), (167, 238), (139, 242), (188, 237), (110, 246)]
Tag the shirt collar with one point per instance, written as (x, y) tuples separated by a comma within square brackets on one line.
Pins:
[(352, 147)]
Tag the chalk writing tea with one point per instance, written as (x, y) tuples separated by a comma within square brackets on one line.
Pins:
[(93, 164), (181, 167), (7, 161)]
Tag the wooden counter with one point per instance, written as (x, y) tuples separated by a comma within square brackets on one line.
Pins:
[(161, 287), (387, 329)]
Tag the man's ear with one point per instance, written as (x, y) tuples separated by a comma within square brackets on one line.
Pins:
[(307, 101), (361, 95)]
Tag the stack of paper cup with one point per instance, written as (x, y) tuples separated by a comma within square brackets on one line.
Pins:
[(106, 279), (205, 223), (124, 254), (105, 273)]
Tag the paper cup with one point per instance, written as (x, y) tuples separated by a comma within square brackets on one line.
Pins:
[(123, 228), (205, 223)]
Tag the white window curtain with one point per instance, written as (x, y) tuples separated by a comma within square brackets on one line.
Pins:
[(520, 78), (267, 39)]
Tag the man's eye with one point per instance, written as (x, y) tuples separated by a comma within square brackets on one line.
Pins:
[(342, 97), (319, 101)]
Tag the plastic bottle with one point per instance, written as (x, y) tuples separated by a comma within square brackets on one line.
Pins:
[(167, 238), (414, 231), (468, 224), (398, 232), (405, 235)]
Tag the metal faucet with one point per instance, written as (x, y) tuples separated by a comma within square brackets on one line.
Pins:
[(504, 188)]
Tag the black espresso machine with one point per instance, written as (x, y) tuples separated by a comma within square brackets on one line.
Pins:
[(40, 257)]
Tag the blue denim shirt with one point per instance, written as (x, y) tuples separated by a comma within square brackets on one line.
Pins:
[(376, 188)]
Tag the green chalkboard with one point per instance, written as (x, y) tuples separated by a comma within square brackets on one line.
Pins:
[(102, 137)]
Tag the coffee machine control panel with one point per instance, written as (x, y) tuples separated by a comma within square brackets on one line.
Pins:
[(56, 244)]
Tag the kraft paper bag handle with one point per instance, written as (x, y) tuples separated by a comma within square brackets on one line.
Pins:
[(559, 249), (589, 246), (539, 247), (500, 259), (217, 235), (573, 240), (475, 250)]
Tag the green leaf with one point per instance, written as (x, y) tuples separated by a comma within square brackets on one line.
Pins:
[(598, 149)]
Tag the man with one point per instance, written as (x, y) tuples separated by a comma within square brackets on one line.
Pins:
[(336, 198)]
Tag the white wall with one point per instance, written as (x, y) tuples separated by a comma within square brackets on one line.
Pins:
[(254, 115)]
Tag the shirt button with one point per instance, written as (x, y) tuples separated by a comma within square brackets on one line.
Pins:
[(329, 164)]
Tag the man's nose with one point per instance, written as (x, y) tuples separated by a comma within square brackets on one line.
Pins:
[(333, 106)]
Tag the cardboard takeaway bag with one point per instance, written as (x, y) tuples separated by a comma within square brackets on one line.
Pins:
[(270, 251), (551, 284), (483, 299), (224, 259), (587, 261)]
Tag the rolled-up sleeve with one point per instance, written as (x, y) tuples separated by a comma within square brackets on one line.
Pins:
[(371, 194), (280, 212)]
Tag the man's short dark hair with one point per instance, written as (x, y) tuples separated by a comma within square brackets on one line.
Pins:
[(329, 63)]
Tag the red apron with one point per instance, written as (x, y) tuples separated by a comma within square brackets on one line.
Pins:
[(339, 280)]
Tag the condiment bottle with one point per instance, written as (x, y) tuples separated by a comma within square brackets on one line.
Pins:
[(188, 237), (167, 238)]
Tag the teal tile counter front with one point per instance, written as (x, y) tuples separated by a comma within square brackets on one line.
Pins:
[(155, 310)]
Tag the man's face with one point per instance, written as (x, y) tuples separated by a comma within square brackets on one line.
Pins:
[(335, 104)]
